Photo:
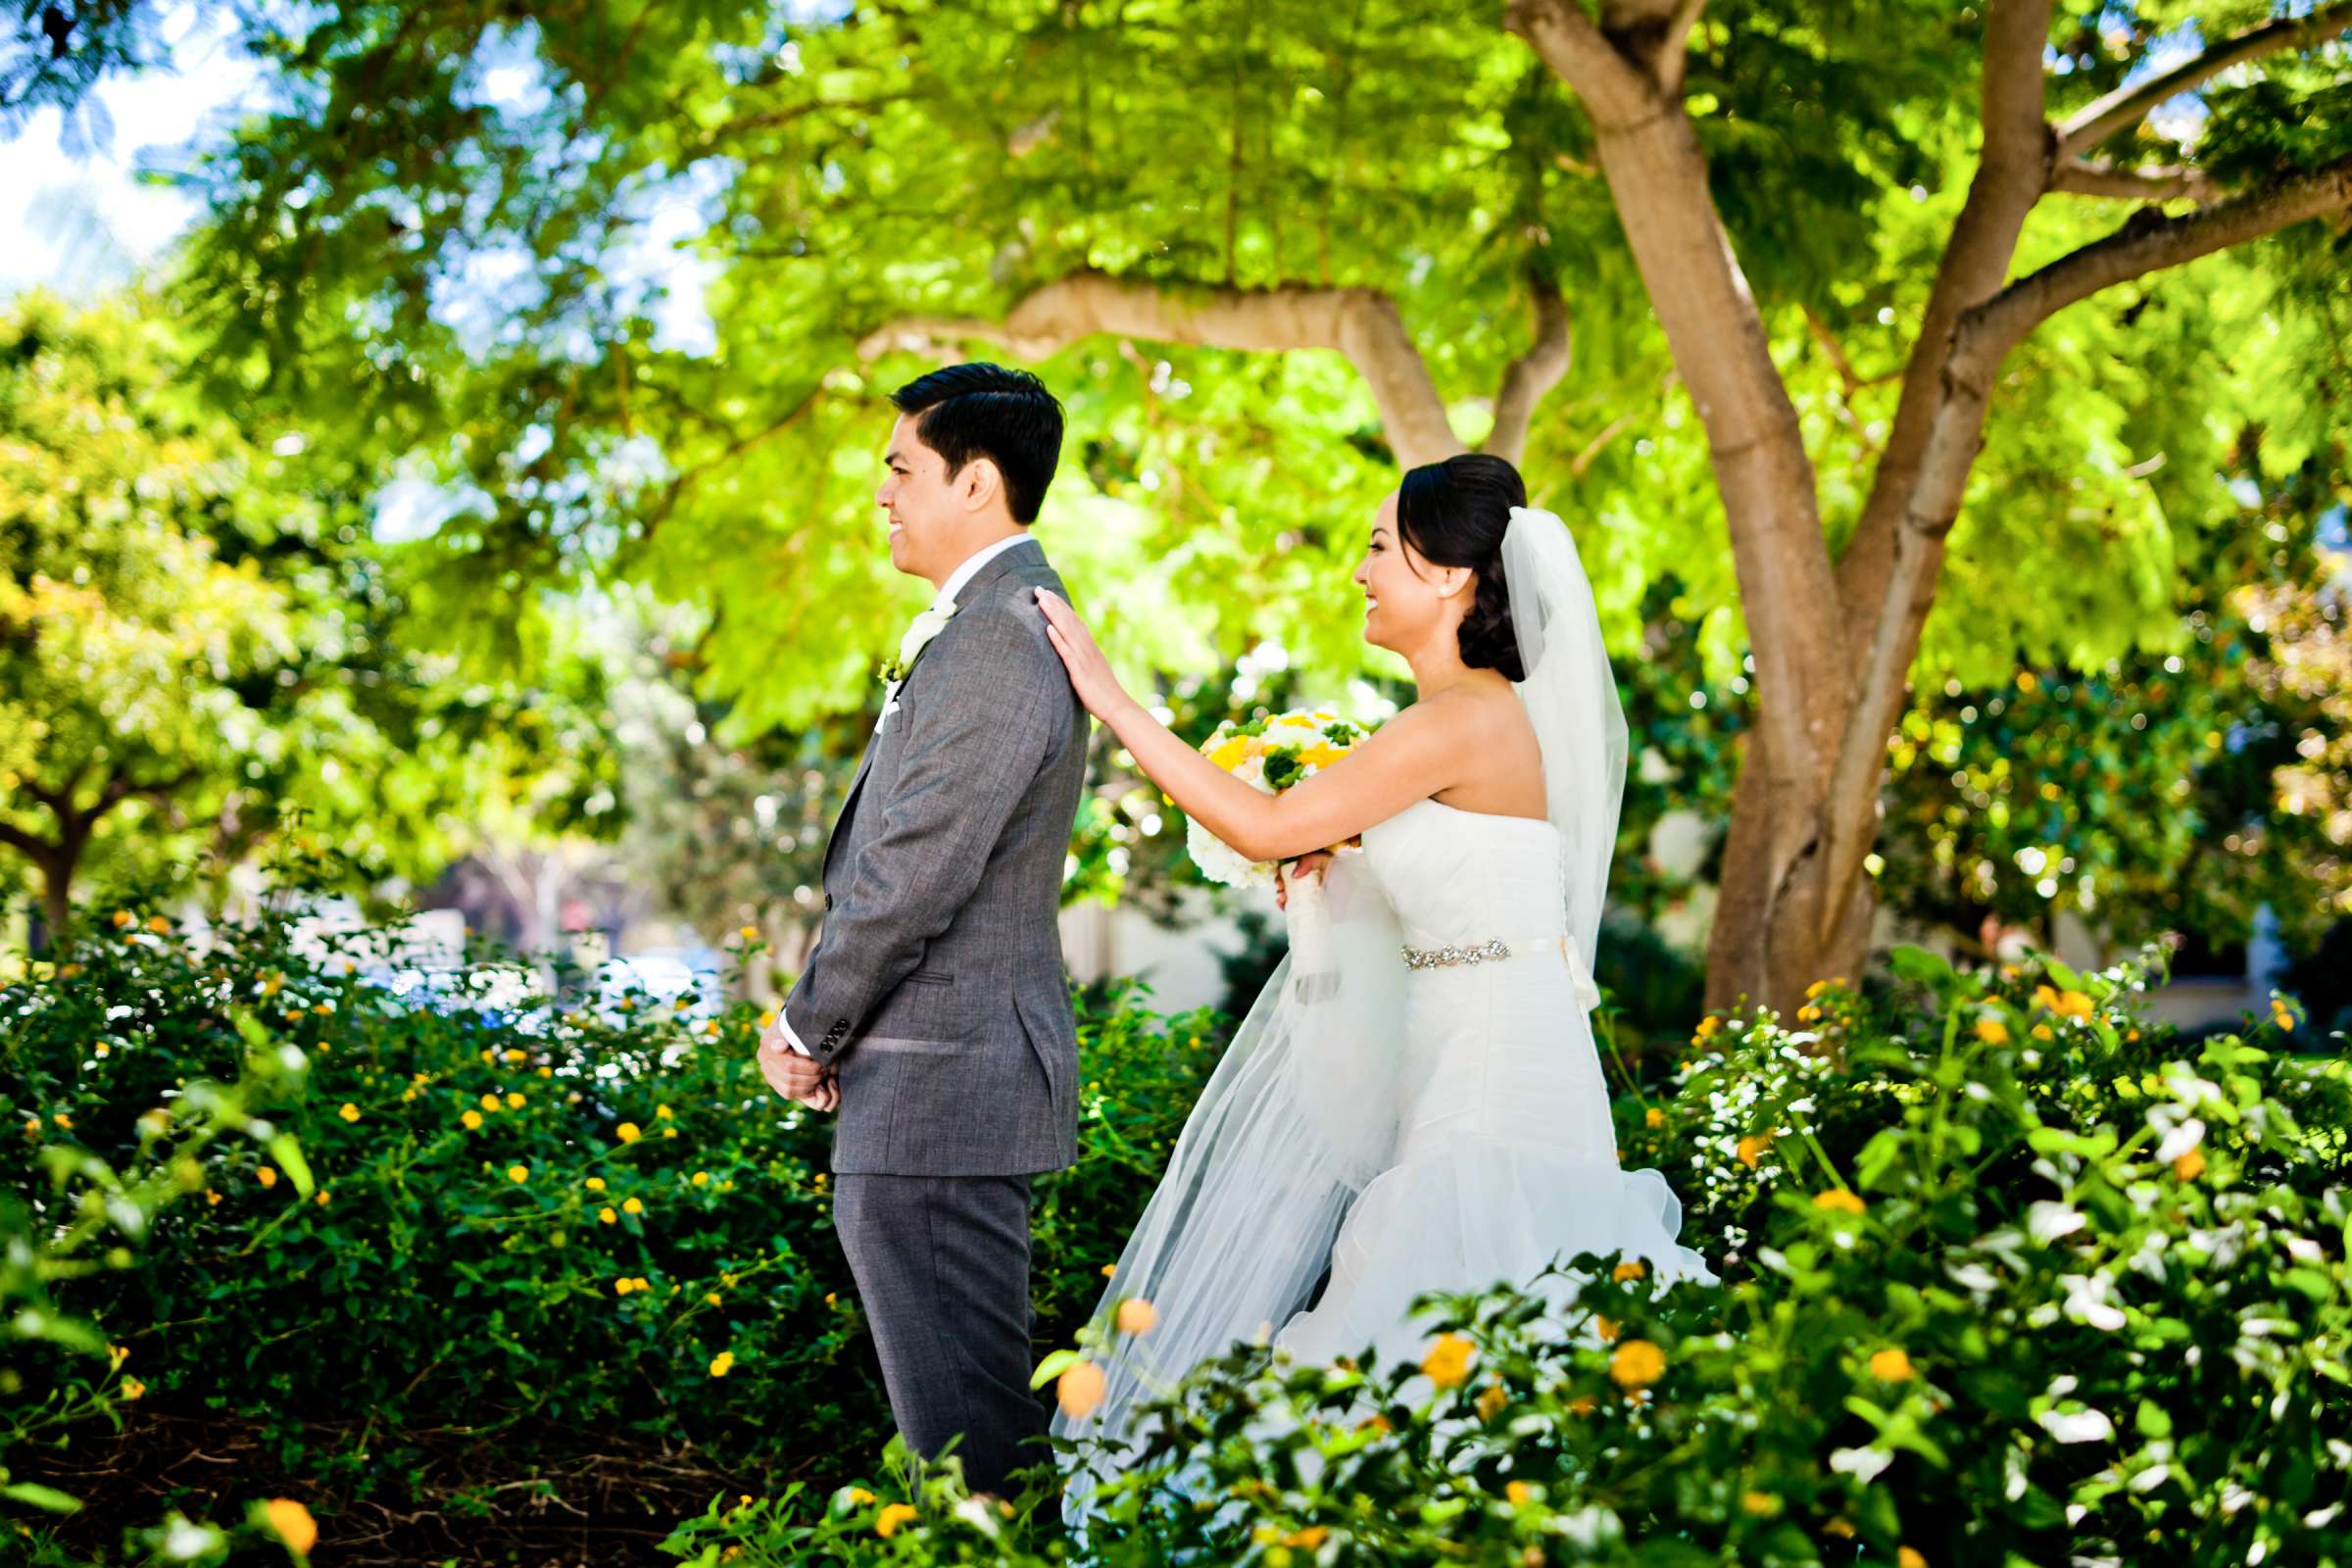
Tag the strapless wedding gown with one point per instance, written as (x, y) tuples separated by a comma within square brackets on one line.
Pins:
[(1505, 1155)]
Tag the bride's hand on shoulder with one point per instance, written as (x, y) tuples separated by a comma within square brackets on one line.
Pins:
[(1089, 672)]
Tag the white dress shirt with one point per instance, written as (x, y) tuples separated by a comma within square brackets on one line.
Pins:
[(946, 601)]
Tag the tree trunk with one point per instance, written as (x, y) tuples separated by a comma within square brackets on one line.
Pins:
[(1763, 947)]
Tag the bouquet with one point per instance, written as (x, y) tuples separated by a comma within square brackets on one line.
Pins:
[(1269, 753)]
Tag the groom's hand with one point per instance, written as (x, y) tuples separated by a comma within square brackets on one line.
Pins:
[(795, 1076)]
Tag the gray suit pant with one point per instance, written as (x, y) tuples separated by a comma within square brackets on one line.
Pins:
[(941, 1264)]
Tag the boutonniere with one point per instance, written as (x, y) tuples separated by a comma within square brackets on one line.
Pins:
[(925, 626)]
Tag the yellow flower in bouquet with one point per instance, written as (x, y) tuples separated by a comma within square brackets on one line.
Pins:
[(1270, 753)]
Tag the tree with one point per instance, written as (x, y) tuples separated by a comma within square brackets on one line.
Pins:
[(196, 650), (1349, 233)]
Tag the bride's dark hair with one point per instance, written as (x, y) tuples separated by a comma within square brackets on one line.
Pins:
[(1454, 514)]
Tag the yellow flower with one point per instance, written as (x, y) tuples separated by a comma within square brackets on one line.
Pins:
[(1583, 1404), (1449, 1361), (702, 1178), (887, 1522), (1138, 1316), (1109, 1269), (1992, 1031), (662, 1112), (750, 933), (132, 1388), (1839, 1527), (1518, 1491), (1637, 1364), (1816, 989), (292, 1522), (266, 1176), (2041, 1031), (596, 1184), (1763, 1504), (2072, 1004), (1491, 1402), (1630, 1269), (1807, 1013), (632, 1205), (1891, 1366), (1654, 1118), (519, 1174), (1706, 1029), (606, 1215), (514, 1100), (1309, 1538), (2190, 1166), (1080, 1389), (722, 1364), (1321, 754), (63, 1119), (1229, 756), (2046, 996), (323, 1196), (472, 1119), (628, 1132), (514, 1055), (124, 917), (860, 1497), (349, 1112), (1905, 1557), (623, 1286), (158, 924), (1606, 1327), (1838, 1199), (713, 1297), (488, 1102), (1751, 1150)]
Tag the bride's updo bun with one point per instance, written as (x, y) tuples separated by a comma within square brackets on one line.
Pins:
[(1454, 513)]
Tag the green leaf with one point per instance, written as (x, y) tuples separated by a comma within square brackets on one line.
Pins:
[(40, 1496), (1918, 964), (289, 1154), (1052, 1368)]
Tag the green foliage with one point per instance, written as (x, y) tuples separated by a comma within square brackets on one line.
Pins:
[(529, 1215), (198, 646), (2009, 1274)]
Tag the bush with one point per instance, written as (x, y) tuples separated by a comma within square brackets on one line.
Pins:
[(551, 1224), (2007, 1277)]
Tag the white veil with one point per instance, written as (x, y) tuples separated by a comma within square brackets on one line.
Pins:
[(1572, 701), (1301, 1111)]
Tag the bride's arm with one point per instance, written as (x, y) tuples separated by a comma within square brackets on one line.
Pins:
[(1416, 754)]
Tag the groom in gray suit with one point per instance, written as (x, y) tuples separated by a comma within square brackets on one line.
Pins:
[(932, 1014)]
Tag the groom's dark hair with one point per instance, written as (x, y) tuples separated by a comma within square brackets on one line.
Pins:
[(986, 410)]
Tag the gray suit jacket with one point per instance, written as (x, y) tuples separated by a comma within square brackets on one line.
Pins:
[(937, 986)]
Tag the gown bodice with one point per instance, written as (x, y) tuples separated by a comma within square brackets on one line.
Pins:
[(1457, 877)]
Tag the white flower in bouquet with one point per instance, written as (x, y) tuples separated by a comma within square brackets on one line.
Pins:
[(1270, 754)]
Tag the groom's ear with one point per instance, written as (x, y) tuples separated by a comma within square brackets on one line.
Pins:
[(980, 483)]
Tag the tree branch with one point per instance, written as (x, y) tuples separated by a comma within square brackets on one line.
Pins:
[(2012, 173), (2146, 243), (1532, 375), (2129, 104), (2101, 178), (1361, 324), (1649, 153)]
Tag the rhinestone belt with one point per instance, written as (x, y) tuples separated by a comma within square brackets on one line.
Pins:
[(1492, 951), (1479, 952)]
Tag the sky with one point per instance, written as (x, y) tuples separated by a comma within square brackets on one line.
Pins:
[(85, 227)]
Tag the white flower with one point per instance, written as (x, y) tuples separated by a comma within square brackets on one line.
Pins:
[(2078, 1426), (925, 626)]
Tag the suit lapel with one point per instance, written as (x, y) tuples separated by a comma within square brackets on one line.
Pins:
[(1005, 562)]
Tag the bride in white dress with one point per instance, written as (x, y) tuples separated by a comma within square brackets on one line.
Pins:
[(1434, 1117)]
